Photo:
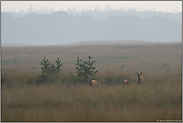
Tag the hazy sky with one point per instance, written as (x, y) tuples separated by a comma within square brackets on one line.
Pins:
[(165, 6)]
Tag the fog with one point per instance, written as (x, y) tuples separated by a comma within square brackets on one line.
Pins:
[(61, 27)]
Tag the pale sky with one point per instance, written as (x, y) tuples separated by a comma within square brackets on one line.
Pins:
[(163, 6)]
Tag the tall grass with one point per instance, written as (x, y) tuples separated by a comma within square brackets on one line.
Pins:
[(27, 95), (149, 102)]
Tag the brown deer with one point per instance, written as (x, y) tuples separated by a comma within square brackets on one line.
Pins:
[(124, 81), (92, 82), (140, 78)]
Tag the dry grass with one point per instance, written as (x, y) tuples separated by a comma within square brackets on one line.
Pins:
[(91, 114), (57, 102), (159, 98)]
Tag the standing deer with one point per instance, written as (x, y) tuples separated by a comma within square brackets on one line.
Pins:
[(92, 82), (140, 78), (124, 81)]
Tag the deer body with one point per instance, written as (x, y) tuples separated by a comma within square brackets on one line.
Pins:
[(92, 82), (142, 79), (125, 81)]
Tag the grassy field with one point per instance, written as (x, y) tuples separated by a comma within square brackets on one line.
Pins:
[(57, 99)]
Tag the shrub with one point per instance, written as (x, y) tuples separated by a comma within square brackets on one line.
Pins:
[(50, 68), (85, 67)]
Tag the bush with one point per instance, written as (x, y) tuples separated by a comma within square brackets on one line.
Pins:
[(50, 68), (85, 67)]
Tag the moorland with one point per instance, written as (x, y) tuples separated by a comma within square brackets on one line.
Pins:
[(28, 96)]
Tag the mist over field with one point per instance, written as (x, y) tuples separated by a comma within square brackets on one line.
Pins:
[(69, 27)]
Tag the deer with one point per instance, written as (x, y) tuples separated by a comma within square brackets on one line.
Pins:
[(92, 82), (124, 81), (140, 78)]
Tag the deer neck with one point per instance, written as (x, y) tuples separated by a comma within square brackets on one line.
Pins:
[(139, 79), (122, 80), (90, 82)]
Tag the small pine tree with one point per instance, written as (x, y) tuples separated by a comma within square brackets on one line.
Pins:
[(85, 67), (50, 68), (46, 65), (59, 65)]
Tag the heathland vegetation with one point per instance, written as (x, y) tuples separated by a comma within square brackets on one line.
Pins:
[(29, 95)]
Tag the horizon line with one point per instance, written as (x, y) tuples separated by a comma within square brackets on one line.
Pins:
[(72, 11)]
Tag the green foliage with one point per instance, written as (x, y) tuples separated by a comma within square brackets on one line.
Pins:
[(46, 65), (85, 67), (50, 68)]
